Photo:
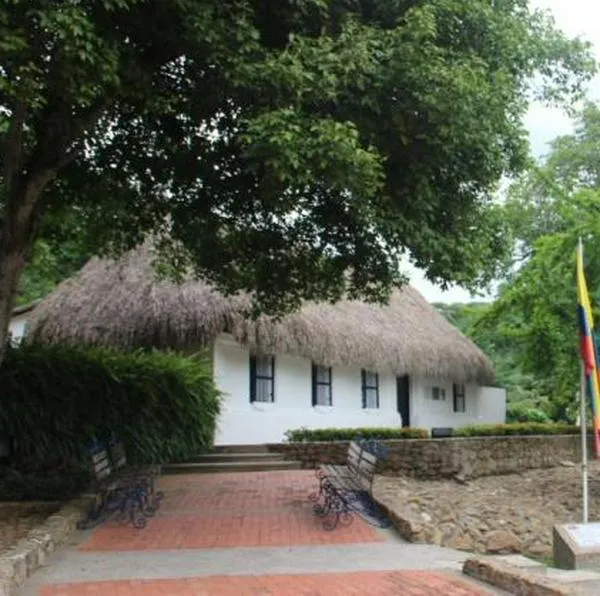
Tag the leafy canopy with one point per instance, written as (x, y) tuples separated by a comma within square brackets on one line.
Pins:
[(295, 148), (549, 209)]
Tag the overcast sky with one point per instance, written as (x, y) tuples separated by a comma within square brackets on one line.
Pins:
[(575, 17)]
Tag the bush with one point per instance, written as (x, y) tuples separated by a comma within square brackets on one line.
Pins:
[(52, 480), (480, 430), (518, 429), (523, 412), (347, 434), (55, 399)]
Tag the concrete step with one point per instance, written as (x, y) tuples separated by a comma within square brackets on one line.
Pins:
[(580, 578), (211, 458), (520, 575), (240, 449), (231, 466)]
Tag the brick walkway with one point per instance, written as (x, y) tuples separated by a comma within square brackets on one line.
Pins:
[(247, 534), (241, 509), (374, 583)]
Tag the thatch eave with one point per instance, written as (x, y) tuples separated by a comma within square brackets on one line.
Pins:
[(122, 303)]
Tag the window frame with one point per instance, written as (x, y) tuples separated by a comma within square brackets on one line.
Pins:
[(459, 395), (438, 393), (316, 384), (254, 378), (366, 388)]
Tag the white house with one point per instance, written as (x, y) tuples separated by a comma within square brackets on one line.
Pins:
[(18, 321), (350, 364), (267, 395)]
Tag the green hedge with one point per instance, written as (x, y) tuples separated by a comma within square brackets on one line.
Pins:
[(523, 412), (517, 429), (54, 400), (347, 434), (480, 430), (51, 480)]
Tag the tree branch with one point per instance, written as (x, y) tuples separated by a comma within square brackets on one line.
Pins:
[(14, 146)]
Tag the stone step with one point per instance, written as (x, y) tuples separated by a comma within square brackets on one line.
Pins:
[(522, 563), (240, 449), (235, 466), (580, 578), (517, 575), (211, 458)]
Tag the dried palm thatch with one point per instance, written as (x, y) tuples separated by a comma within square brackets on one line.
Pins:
[(123, 303)]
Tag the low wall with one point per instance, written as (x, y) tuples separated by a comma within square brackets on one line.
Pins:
[(454, 457)]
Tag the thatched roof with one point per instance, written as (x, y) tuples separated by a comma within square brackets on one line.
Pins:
[(122, 303)]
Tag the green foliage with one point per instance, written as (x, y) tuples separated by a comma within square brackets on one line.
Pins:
[(548, 210), (54, 400), (60, 251), (52, 480), (522, 412), (522, 429), (531, 330), (287, 143), (348, 434), (479, 430)]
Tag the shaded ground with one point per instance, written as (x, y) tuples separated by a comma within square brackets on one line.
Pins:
[(510, 513), (16, 519), (247, 533)]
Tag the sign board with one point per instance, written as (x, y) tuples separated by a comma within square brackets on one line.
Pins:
[(577, 546), (585, 535)]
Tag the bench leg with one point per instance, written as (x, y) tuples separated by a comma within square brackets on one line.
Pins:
[(339, 513), (316, 496), (327, 497), (137, 521)]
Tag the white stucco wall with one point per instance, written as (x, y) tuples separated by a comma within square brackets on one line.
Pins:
[(483, 405), (242, 422), (491, 405), (17, 327)]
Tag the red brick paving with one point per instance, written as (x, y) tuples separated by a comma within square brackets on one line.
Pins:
[(250, 509), (373, 583), (231, 510), (187, 532)]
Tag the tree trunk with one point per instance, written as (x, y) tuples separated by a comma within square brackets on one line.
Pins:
[(17, 235)]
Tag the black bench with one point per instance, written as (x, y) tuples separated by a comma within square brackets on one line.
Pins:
[(126, 494), (142, 476), (347, 489)]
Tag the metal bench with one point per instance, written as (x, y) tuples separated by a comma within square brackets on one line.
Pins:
[(125, 497), (143, 476), (346, 489)]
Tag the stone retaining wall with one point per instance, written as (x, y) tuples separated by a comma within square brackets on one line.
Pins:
[(450, 458), (32, 551)]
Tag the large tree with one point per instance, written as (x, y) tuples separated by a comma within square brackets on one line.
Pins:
[(553, 205), (295, 148)]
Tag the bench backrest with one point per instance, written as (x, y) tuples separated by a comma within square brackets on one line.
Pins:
[(100, 457), (361, 463), (117, 453)]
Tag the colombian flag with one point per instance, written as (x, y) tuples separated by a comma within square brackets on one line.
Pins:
[(588, 347)]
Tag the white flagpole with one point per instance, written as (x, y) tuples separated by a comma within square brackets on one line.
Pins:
[(583, 422), (584, 466)]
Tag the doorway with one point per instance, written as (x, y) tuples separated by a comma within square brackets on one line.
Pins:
[(403, 397)]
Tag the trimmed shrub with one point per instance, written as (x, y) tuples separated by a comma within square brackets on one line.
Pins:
[(517, 429), (347, 434), (52, 480), (55, 399), (479, 430), (523, 412)]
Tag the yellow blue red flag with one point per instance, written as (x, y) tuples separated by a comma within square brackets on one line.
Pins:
[(588, 347)]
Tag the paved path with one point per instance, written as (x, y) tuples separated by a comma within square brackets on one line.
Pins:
[(247, 534)]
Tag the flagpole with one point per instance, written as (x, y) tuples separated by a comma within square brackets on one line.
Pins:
[(583, 422), (584, 466)]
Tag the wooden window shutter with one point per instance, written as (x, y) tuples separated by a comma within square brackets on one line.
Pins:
[(252, 379)]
